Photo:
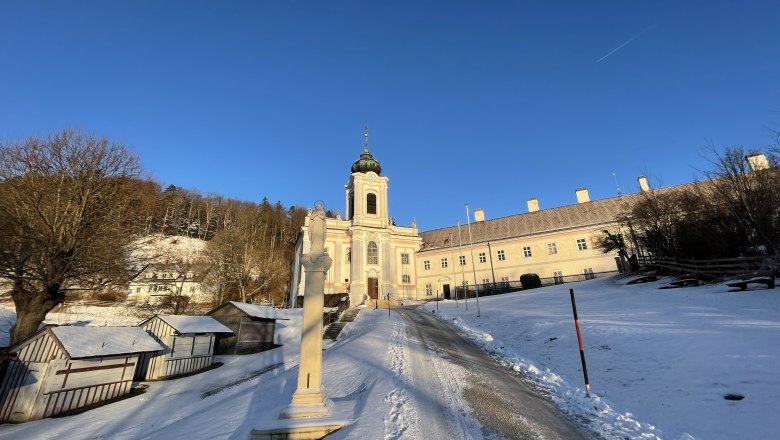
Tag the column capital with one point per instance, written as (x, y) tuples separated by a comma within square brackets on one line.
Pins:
[(319, 262)]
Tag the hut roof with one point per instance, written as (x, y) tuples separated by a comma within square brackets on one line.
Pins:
[(86, 342), (194, 324), (256, 311)]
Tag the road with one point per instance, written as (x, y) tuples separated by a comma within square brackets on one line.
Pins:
[(473, 385)]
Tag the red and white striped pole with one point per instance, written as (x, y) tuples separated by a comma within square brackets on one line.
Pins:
[(579, 340)]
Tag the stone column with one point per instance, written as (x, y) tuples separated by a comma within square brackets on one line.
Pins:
[(309, 399)]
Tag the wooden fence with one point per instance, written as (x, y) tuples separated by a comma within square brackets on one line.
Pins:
[(710, 268)]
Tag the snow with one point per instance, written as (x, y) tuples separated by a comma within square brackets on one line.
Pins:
[(162, 248), (194, 324), (659, 361), (84, 342), (256, 311), (7, 319)]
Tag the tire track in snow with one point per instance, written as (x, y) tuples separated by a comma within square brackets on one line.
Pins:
[(438, 390)]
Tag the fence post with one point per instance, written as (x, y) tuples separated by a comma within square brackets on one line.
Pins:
[(579, 340)]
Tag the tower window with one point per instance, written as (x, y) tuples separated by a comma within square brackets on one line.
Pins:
[(404, 258), (406, 279), (373, 253), (370, 203)]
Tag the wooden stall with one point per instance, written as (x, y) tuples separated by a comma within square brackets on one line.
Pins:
[(253, 327), (188, 343), (60, 369)]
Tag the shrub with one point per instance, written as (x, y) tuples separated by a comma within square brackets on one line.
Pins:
[(530, 280)]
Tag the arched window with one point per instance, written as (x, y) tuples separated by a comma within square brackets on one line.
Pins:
[(406, 279), (370, 203), (373, 253)]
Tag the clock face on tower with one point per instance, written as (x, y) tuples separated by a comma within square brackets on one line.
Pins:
[(371, 177)]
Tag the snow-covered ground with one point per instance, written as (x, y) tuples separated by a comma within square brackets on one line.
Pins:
[(660, 363), (366, 378)]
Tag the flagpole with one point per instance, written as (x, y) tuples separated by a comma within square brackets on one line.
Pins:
[(462, 275), (473, 266), (454, 280)]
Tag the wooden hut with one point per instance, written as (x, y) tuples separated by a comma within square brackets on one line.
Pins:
[(59, 369), (253, 327), (188, 342)]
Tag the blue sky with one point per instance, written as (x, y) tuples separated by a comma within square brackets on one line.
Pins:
[(488, 103)]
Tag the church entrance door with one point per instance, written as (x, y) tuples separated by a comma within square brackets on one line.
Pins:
[(373, 288), (446, 288)]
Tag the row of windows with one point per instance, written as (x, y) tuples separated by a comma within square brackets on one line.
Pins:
[(373, 254), (166, 275), (159, 288), (552, 249)]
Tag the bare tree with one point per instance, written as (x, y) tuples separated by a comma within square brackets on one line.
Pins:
[(64, 218), (751, 195)]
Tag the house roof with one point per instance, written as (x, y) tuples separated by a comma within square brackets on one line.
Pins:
[(194, 324), (256, 311), (86, 342), (578, 215)]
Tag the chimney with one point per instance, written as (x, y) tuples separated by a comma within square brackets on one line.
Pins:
[(479, 215), (757, 161), (643, 185), (582, 195), (533, 204)]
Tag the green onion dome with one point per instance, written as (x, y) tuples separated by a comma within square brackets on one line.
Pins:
[(366, 163)]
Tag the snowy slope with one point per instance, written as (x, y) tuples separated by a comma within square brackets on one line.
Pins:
[(659, 361)]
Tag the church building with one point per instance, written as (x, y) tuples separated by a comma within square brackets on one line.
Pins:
[(372, 256)]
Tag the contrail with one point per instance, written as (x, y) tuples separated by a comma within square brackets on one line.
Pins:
[(625, 43)]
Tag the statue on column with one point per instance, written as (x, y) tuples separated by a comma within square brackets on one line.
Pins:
[(309, 399)]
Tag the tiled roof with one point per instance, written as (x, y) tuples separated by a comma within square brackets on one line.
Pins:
[(578, 215)]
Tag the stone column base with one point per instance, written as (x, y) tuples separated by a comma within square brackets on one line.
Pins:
[(307, 403), (311, 432)]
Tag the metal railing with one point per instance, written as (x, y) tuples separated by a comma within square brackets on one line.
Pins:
[(501, 287)]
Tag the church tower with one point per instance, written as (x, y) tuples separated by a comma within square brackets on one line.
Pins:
[(366, 199), (373, 257)]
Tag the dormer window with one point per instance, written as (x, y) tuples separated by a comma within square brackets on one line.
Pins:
[(370, 203)]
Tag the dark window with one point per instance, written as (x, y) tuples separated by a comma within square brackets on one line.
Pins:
[(371, 203)]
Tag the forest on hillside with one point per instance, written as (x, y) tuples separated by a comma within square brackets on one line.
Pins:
[(76, 214), (249, 245)]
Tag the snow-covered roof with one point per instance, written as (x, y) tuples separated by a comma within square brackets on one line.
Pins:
[(256, 311), (194, 324), (84, 342)]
